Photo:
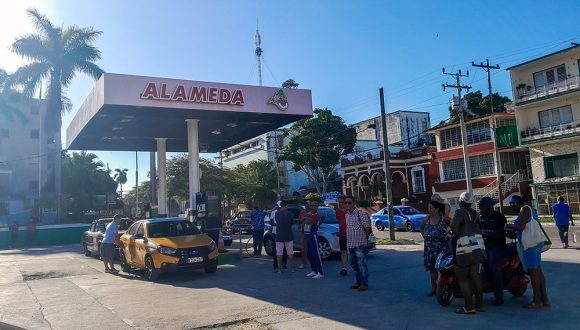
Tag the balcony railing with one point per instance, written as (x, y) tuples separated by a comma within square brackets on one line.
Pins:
[(549, 90), (531, 135)]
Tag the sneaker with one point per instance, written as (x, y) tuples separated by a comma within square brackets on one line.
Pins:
[(114, 270), (301, 266), (317, 276), (355, 286), (312, 273), (362, 288), (107, 270), (343, 272)]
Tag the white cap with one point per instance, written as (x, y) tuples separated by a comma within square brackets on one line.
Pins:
[(279, 203), (466, 197)]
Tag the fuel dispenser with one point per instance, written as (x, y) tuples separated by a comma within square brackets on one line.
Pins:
[(207, 215)]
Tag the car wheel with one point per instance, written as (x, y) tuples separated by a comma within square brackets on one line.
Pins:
[(445, 294), (324, 249), (269, 245), (86, 250), (151, 272), (211, 267), (124, 265), (409, 227), (380, 226)]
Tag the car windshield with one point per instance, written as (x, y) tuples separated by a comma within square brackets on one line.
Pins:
[(329, 215), (171, 229), (407, 210)]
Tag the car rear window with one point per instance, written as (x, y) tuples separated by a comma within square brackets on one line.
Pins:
[(171, 229)]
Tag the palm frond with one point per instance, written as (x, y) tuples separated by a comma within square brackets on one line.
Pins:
[(32, 47), (29, 77), (89, 68), (42, 24)]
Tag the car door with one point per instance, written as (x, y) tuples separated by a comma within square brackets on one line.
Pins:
[(93, 238), (126, 242), (139, 251), (399, 218)]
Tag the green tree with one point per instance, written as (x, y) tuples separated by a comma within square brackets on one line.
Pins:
[(84, 177), (316, 145), (120, 177), (144, 196), (479, 105), (56, 54), (290, 83), (256, 182), (178, 178)]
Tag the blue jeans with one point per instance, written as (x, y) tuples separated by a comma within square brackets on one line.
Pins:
[(357, 257), (258, 238), (313, 256), (495, 257)]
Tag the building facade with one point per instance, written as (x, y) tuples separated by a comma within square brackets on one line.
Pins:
[(546, 94), (514, 165), (266, 147), (404, 128), (25, 156), (412, 175)]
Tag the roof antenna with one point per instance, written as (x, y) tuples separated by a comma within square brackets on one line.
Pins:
[(258, 41)]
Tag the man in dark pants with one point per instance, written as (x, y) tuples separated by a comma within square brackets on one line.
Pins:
[(492, 227), (258, 226), (563, 219)]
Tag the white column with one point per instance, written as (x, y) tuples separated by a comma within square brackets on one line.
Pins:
[(193, 153), (162, 188)]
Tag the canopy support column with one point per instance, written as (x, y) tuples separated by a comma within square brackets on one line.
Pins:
[(193, 157), (161, 168)]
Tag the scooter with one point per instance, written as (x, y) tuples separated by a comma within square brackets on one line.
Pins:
[(514, 278)]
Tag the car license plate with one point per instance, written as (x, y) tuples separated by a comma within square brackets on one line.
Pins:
[(194, 260)]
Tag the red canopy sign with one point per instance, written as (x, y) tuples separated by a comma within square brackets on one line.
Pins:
[(195, 94)]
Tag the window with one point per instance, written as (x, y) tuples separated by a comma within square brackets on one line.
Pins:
[(4, 133), (561, 166), (555, 117), (478, 132), (550, 76), (453, 169), (34, 134), (482, 165), (511, 162), (93, 227), (418, 177), (140, 230), (450, 138), (132, 229)]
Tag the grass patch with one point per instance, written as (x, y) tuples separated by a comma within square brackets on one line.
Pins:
[(402, 241)]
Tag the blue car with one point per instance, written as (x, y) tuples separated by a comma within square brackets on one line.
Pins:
[(406, 217)]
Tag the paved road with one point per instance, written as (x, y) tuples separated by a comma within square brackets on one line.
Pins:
[(59, 288)]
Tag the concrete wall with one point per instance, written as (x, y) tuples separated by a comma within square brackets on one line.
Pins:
[(537, 154), (45, 235), (527, 116)]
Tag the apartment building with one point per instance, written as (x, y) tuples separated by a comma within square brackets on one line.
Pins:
[(546, 93), (514, 165), (265, 147)]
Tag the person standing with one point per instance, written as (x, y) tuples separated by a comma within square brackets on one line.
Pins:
[(532, 257), (438, 198), (258, 226), (469, 254), (311, 219), (13, 234), (563, 219), (492, 224), (341, 217), (358, 229), (108, 244), (272, 220), (435, 230), (284, 236)]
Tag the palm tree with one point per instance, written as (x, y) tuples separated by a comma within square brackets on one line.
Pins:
[(56, 54), (121, 178)]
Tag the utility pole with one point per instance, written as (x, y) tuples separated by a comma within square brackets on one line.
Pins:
[(498, 170), (258, 41), (277, 163), (387, 167), (138, 210), (459, 88)]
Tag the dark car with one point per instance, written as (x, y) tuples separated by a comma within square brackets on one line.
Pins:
[(91, 240), (242, 221)]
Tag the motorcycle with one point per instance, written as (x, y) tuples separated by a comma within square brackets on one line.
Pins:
[(514, 277)]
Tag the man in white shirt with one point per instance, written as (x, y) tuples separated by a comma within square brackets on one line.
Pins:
[(108, 244)]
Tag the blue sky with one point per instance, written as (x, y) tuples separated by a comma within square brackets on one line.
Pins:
[(342, 50)]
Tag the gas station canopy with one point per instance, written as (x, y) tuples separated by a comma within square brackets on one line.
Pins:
[(127, 113)]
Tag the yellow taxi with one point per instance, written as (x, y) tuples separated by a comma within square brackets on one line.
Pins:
[(165, 245)]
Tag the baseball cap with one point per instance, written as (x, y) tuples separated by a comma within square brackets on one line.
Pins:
[(281, 203), (466, 197)]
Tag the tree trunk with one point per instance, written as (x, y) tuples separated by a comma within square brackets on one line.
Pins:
[(55, 119)]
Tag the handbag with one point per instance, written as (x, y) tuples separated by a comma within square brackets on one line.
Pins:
[(470, 249), (535, 234)]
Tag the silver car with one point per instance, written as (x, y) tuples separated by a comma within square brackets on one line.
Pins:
[(327, 233)]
